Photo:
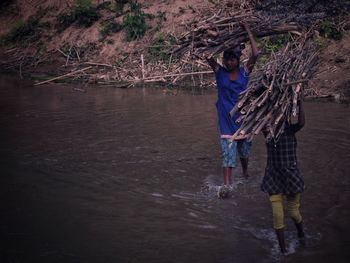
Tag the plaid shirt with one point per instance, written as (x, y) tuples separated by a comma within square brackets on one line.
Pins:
[(283, 153), (282, 173)]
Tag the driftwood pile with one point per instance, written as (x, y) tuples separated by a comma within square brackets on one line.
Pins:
[(271, 97)]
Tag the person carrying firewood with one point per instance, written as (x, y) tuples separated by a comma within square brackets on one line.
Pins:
[(282, 177), (231, 80)]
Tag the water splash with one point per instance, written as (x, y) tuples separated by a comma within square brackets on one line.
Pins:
[(213, 187), (269, 235)]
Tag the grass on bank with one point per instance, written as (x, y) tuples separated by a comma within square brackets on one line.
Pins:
[(25, 32), (83, 13)]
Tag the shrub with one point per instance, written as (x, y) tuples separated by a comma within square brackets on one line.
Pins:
[(105, 5), (161, 17), (65, 20), (115, 6), (329, 30), (23, 31), (109, 27), (161, 46), (134, 23), (273, 43), (119, 5), (319, 41), (83, 13)]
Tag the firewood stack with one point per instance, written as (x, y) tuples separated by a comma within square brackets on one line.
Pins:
[(217, 33), (272, 94)]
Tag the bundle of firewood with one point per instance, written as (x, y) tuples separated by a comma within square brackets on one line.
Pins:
[(271, 98), (219, 32)]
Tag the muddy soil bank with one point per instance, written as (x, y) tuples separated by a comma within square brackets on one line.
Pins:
[(48, 52)]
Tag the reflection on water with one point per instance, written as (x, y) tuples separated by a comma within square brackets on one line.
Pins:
[(114, 175)]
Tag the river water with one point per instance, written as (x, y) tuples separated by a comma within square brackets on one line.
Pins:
[(98, 174)]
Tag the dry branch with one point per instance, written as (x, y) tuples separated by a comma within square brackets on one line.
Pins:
[(63, 76)]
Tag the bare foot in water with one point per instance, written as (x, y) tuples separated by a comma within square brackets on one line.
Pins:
[(225, 191)]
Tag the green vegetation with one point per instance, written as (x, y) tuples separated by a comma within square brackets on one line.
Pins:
[(161, 46), (262, 60), (21, 30), (161, 17), (109, 27), (273, 43), (77, 51), (319, 41), (105, 5), (64, 21), (25, 32), (115, 6), (270, 44), (83, 13), (66, 48), (119, 5), (134, 23), (328, 29)]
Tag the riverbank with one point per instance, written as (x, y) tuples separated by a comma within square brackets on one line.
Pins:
[(45, 43)]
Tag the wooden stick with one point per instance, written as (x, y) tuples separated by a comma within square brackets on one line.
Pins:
[(63, 76), (142, 67), (68, 57), (98, 64), (179, 74)]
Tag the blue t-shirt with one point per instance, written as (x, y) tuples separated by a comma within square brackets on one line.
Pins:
[(228, 94)]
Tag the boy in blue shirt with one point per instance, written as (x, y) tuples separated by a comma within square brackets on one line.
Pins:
[(231, 80)]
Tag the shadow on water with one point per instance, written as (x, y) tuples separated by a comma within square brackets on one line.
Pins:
[(112, 175)]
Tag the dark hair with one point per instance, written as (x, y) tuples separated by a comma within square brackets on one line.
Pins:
[(234, 52)]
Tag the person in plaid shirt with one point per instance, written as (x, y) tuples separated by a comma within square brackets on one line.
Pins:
[(282, 177)]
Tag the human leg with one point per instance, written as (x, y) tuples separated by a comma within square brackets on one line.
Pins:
[(243, 148), (228, 149), (281, 239), (293, 204), (227, 175), (278, 219), (244, 163)]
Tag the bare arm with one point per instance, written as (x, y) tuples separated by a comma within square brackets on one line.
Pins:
[(254, 56), (301, 115), (213, 64)]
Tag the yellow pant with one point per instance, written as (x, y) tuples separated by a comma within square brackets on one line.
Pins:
[(293, 204)]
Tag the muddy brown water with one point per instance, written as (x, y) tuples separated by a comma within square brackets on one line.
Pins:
[(114, 175)]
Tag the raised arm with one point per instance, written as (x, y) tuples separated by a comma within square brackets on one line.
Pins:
[(301, 115), (254, 56), (212, 63)]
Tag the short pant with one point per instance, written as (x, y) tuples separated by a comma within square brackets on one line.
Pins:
[(230, 148)]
